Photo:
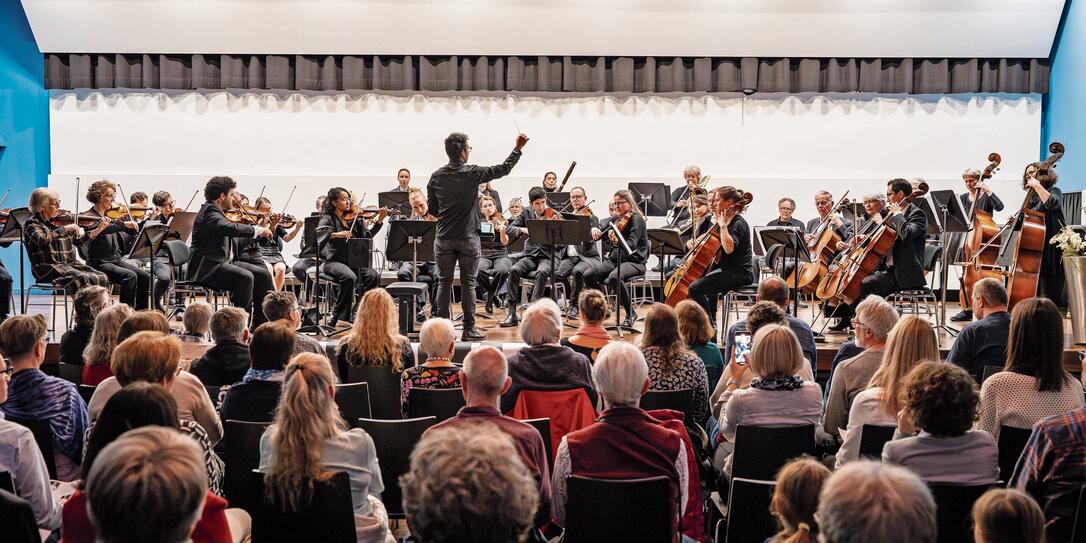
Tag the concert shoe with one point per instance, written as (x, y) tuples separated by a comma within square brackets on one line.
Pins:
[(472, 334), (572, 312), (842, 325), (630, 320), (963, 316), (510, 321)]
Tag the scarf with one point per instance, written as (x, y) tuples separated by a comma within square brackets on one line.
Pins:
[(262, 375), (792, 382), (596, 331), (33, 395)]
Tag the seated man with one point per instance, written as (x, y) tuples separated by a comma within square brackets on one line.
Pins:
[(1052, 470), (774, 289), (544, 364), (870, 501), (984, 342), (226, 362), (626, 443), (254, 399), (282, 307), (484, 377)]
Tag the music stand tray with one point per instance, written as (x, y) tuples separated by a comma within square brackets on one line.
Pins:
[(395, 200), (790, 237), (935, 222), (403, 233), (13, 228), (654, 199), (558, 200)]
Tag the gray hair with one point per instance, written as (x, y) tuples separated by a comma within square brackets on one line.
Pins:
[(542, 323), (991, 291), (228, 323), (875, 196), (486, 370), (871, 501), (971, 172), (40, 197), (877, 315), (824, 193), (692, 169), (436, 336), (619, 373)]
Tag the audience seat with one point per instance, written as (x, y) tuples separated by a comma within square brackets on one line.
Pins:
[(43, 436), (394, 441), (329, 518), (240, 455), (678, 400), (953, 510), (73, 373), (543, 426), (760, 451), (872, 439), (569, 411), (17, 519), (749, 517), (1078, 529), (383, 387), (6, 482), (619, 510), (441, 404), (353, 400), (1012, 441), (85, 391)]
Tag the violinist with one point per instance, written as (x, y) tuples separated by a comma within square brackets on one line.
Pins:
[(495, 262), (420, 211), (210, 266), (514, 209), (581, 259), (785, 208), (247, 250), (1048, 198), (106, 247), (735, 266), (680, 197), (164, 209), (635, 232), (50, 247), (302, 265), (534, 258), (403, 181), (272, 249), (825, 204), (550, 182), (140, 207), (336, 226)]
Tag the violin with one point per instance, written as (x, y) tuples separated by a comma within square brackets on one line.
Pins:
[(551, 214), (242, 214), (84, 220), (498, 220), (369, 212), (123, 212)]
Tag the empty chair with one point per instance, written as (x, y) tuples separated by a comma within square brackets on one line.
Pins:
[(240, 455), (439, 403), (384, 390), (953, 510), (627, 510), (1012, 441), (43, 436), (872, 438), (677, 400), (353, 400), (73, 373), (761, 450), (394, 440), (329, 517), (749, 517)]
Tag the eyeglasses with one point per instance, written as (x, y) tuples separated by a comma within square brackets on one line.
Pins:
[(7, 373), (786, 208), (856, 323)]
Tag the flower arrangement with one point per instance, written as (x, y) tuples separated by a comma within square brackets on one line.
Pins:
[(1070, 241)]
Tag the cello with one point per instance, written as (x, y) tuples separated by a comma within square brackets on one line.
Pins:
[(1025, 269), (700, 259), (979, 251), (823, 249)]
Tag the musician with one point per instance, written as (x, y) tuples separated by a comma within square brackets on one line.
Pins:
[(550, 182), (333, 231), (165, 209), (420, 211), (106, 247), (1047, 198), (978, 194), (453, 193), (636, 234), (403, 181), (302, 265), (486, 190), (735, 265), (495, 263), (680, 197), (515, 208), (51, 249), (785, 208), (581, 259), (534, 258), (692, 229), (272, 249), (209, 265), (874, 211), (137, 201)]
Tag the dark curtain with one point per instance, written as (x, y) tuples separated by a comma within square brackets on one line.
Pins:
[(545, 74)]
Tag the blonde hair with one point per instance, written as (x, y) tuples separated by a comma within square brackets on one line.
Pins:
[(374, 337), (197, 318), (911, 340), (104, 337), (146, 356), (795, 499), (305, 417), (694, 323), (776, 352)]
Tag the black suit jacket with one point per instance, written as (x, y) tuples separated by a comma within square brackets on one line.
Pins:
[(908, 252), (223, 364), (210, 241)]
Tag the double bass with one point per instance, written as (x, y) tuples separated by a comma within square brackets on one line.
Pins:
[(980, 248), (823, 249), (700, 259), (1025, 270)]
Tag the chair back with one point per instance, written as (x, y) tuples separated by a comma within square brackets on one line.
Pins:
[(932, 253), (953, 510), (394, 441), (17, 518), (679, 400), (43, 436), (1012, 441), (85, 391), (760, 451), (749, 506), (543, 426), (240, 456), (872, 438), (73, 373), (353, 400), (6, 482), (442, 403), (989, 370), (213, 393), (619, 510), (569, 411), (329, 517), (177, 251), (460, 352), (384, 389)]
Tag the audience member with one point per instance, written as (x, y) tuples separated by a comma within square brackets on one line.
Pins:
[(544, 364), (672, 365), (21, 457), (143, 321), (1004, 515), (795, 500), (96, 355), (309, 441), (984, 342), (226, 362), (873, 321), (484, 378), (437, 339), (197, 322), (697, 332), (910, 341), (591, 336), (868, 501), (1033, 384), (939, 405), (774, 289), (282, 306), (254, 399), (625, 443), (87, 302), (153, 357), (468, 485), (1052, 469), (33, 395), (374, 338), (777, 395)]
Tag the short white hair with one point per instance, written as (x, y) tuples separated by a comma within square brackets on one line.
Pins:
[(971, 172), (486, 369), (877, 315), (41, 196), (692, 169), (620, 372), (872, 501), (436, 335), (542, 323)]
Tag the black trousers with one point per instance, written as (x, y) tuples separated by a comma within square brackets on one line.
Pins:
[(247, 284), (6, 283), (572, 271), (349, 281), (704, 291), (449, 252), (492, 274), (300, 266), (610, 273), (135, 283), (524, 266), (881, 283)]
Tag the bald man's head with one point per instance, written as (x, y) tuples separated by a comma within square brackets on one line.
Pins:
[(486, 370)]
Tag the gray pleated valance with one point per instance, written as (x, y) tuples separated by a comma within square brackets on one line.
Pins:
[(544, 74)]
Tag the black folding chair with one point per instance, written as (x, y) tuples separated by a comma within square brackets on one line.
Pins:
[(6, 482), (394, 441), (678, 400), (240, 455), (953, 510), (73, 373), (749, 518), (353, 400), (1012, 441), (43, 436), (872, 438), (625, 510), (760, 451), (328, 518), (85, 392), (440, 403), (17, 518), (543, 426), (384, 389)]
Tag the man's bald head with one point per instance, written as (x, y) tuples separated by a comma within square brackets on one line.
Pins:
[(773, 289), (486, 370)]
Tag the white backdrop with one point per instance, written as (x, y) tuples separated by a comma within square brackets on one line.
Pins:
[(772, 146)]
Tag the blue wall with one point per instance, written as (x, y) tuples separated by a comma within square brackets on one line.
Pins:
[(1064, 117), (24, 117)]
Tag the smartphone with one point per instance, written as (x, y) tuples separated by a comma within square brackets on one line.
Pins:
[(742, 349)]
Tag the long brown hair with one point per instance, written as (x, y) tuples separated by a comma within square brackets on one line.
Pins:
[(374, 338), (694, 324), (1035, 343), (795, 499), (911, 340), (662, 332)]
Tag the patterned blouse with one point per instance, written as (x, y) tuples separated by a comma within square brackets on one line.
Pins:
[(690, 373), (425, 377), (53, 258), (1012, 399)]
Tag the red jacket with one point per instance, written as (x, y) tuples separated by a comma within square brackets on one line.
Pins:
[(211, 528)]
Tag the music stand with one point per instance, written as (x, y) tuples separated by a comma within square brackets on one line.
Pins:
[(558, 200), (395, 200), (791, 239), (309, 236), (855, 212), (147, 243), (181, 224), (516, 243), (12, 232), (952, 220), (552, 234), (653, 198), (665, 241), (414, 241), (935, 221), (619, 327)]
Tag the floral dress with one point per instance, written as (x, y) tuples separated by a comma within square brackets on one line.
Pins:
[(427, 377)]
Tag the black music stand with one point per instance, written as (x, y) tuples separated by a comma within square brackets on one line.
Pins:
[(855, 212), (414, 241), (552, 234), (952, 220), (181, 225), (12, 232), (619, 327), (558, 200), (791, 239), (395, 201), (653, 198), (665, 241), (146, 245)]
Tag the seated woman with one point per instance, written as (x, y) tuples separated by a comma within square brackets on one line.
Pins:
[(374, 338), (144, 321), (1033, 385), (310, 441), (88, 302), (272, 248), (934, 438), (672, 365), (795, 500), (696, 331), (197, 322), (437, 339), (591, 336), (103, 340), (51, 248), (544, 364), (137, 406)]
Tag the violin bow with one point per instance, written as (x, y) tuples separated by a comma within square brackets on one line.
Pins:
[(124, 199)]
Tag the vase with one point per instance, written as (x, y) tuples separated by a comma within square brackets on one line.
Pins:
[(1074, 268)]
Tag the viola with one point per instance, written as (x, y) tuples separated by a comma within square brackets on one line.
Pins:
[(242, 214), (1025, 269), (122, 212), (980, 248), (700, 259)]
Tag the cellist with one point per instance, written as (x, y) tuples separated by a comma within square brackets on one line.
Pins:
[(824, 203), (735, 265), (980, 196), (1048, 198)]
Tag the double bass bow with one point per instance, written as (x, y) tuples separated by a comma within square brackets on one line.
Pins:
[(1025, 270), (980, 247), (700, 259)]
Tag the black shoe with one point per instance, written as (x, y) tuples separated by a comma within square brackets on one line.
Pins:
[(630, 320), (472, 333), (572, 312), (489, 309), (841, 326), (963, 316), (510, 321)]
